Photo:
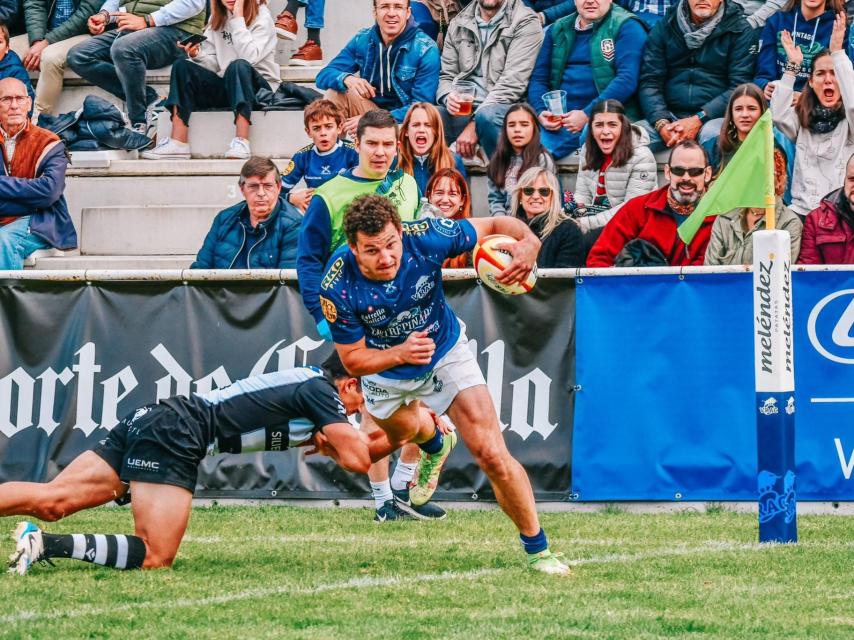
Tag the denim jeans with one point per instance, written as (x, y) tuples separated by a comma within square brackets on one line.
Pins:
[(561, 143), (17, 243), (194, 88), (711, 129), (116, 62), (313, 13), (488, 122)]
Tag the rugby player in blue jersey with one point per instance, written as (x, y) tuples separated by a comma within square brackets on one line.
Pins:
[(153, 454), (382, 296)]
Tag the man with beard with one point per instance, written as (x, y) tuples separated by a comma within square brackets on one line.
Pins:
[(654, 217), (828, 236)]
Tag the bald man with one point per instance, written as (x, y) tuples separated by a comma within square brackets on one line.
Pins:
[(33, 213)]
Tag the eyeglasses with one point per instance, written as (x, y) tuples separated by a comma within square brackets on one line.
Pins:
[(544, 192), (8, 101), (691, 171)]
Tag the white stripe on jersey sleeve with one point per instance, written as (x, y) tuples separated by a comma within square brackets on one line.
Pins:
[(260, 383)]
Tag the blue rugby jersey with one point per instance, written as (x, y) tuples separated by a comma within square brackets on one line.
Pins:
[(385, 313), (316, 168)]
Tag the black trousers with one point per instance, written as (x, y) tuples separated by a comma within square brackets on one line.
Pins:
[(194, 88)]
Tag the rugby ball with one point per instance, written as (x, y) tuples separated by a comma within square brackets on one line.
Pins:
[(490, 259)]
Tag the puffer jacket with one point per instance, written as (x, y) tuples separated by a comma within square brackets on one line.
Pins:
[(276, 249), (508, 56), (637, 177), (415, 66), (827, 237), (677, 82), (819, 157), (37, 14), (731, 244)]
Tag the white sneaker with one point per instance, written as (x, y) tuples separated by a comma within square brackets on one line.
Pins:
[(238, 149), (169, 149), (28, 547)]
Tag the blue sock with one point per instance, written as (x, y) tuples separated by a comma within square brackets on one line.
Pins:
[(535, 544), (434, 444)]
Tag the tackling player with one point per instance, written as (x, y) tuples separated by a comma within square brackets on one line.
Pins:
[(383, 299), (155, 451)]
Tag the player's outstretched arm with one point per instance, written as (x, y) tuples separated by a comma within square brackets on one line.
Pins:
[(351, 449), (524, 250)]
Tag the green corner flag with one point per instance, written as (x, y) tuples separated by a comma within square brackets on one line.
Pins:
[(746, 181)]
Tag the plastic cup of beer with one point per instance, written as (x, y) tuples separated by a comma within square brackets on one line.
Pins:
[(464, 94), (555, 102)]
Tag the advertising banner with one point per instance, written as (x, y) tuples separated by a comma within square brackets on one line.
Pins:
[(78, 356)]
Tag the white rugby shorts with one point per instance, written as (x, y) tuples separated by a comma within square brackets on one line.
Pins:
[(456, 371)]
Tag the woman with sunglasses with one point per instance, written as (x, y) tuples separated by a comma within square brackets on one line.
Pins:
[(616, 165), (732, 233), (422, 145), (822, 123), (536, 200), (519, 148)]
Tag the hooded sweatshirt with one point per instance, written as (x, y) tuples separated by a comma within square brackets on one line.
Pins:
[(810, 35), (382, 75)]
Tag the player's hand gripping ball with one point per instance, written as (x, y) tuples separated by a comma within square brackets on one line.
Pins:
[(490, 260)]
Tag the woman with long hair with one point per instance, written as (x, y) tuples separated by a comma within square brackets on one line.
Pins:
[(810, 23), (732, 234), (519, 148), (616, 165), (536, 201), (822, 124), (422, 145), (448, 196), (236, 59)]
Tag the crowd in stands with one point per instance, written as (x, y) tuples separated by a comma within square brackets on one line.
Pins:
[(438, 89)]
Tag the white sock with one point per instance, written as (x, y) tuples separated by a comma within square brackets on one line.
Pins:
[(403, 473), (180, 144), (381, 492)]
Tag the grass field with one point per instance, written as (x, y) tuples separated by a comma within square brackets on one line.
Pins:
[(280, 572)]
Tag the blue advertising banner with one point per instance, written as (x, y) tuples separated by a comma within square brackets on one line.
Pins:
[(665, 405)]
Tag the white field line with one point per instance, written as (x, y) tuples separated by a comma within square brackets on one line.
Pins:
[(357, 583)]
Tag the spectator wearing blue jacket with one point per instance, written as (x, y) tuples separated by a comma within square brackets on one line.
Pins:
[(594, 54), (810, 25), (33, 213), (12, 15), (259, 233), (398, 64)]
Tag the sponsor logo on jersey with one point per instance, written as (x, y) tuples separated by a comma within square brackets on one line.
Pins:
[(417, 228), (374, 316), (330, 312), (333, 274), (424, 286), (326, 170), (138, 414), (448, 228), (790, 405), (288, 169), (608, 49), (143, 465)]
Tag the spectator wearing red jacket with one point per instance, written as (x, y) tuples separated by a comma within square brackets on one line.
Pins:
[(828, 236), (654, 217)]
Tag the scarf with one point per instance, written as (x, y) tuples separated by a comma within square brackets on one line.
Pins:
[(679, 209), (694, 35), (825, 119)]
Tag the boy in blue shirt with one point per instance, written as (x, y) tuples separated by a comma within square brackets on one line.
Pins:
[(11, 65), (322, 160)]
